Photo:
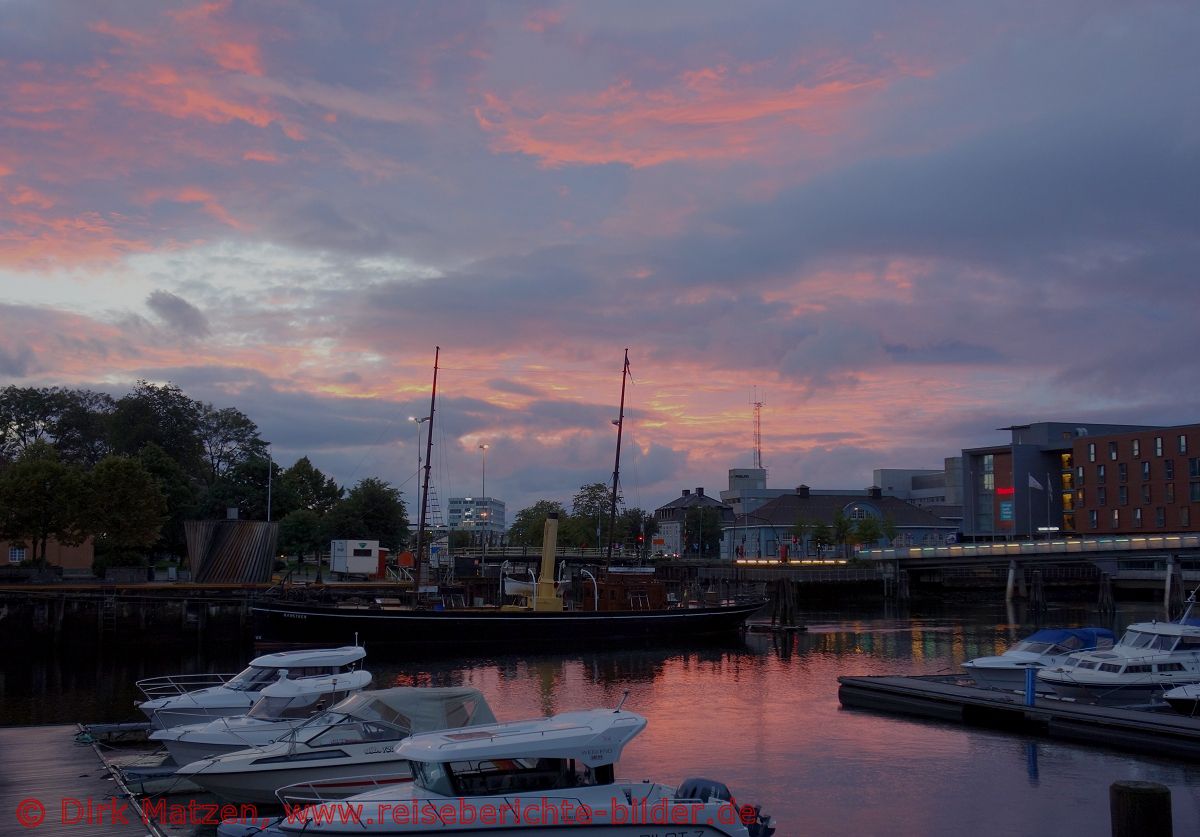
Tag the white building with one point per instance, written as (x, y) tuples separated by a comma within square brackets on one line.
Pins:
[(477, 514)]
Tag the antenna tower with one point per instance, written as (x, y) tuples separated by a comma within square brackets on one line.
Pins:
[(758, 405)]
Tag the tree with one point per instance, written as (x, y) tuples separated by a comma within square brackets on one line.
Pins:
[(162, 415), (822, 536), (890, 530), (529, 524), (304, 487), (27, 415), (81, 429), (42, 498), (804, 530), (372, 510), (180, 495), (302, 532), (635, 528), (868, 531), (125, 509), (227, 438), (843, 531), (593, 505), (246, 487)]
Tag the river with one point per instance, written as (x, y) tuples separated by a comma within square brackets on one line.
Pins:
[(760, 713)]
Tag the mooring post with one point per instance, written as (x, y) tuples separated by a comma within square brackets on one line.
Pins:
[(1030, 686), (1140, 809), (1167, 585)]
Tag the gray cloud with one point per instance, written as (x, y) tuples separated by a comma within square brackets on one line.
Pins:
[(178, 314)]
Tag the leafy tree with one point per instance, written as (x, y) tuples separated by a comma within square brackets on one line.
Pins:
[(81, 429), (822, 536), (162, 415), (843, 531), (804, 530), (245, 487), (180, 495), (529, 524), (302, 532), (42, 498), (592, 507), (27, 415), (372, 510), (632, 523), (125, 508), (890, 530), (303, 486), (868, 531), (228, 438)]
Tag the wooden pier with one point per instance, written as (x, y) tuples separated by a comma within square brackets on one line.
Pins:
[(946, 698), (54, 786)]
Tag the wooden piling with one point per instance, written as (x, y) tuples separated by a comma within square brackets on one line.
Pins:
[(1140, 809)]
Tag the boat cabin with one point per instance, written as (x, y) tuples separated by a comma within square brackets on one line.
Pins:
[(569, 750), (620, 591)]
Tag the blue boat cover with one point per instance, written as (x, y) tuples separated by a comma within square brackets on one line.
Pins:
[(1080, 639)]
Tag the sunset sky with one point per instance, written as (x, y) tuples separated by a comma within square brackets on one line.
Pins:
[(900, 225)]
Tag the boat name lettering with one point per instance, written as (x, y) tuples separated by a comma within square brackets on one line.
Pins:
[(287, 615)]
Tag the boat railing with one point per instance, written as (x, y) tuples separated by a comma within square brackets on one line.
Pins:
[(311, 792), (171, 685)]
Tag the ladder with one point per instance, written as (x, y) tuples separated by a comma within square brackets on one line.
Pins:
[(432, 510), (108, 613)]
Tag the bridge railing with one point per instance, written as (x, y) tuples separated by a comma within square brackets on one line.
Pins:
[(1124, 543)]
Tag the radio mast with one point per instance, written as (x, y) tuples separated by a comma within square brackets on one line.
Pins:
[(758, 405)]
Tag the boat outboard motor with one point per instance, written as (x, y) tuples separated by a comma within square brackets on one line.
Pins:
[(703, 789), (707, 790)]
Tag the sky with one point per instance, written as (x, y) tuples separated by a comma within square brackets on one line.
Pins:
[(897, 225)]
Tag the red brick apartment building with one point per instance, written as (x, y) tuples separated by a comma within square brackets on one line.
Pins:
[(1138, 483)]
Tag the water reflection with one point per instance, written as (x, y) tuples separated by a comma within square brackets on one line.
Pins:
[(760, 713)]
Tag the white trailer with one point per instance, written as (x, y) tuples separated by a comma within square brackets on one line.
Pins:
[(359, 558)]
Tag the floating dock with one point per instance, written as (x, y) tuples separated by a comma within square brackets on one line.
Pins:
[(56, 785), (949, 698)]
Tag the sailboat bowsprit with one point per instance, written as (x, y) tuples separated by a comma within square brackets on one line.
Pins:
[(618, 611)]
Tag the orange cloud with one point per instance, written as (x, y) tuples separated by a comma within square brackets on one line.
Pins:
[(542, 19), (702, 115), (261, 157), (36, 239), (202, 197), (238, 57)]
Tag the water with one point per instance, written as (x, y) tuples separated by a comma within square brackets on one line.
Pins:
[(759, 713)]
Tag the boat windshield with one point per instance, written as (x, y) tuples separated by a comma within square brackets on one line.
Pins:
[(491, 777), (1034, 647), (253, 679), (1148, 641), (299, 706)]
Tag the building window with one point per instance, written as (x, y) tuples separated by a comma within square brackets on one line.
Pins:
[(1112, 450), (1194, 491), (1146, 470), (988, 463), (1137, 518), (1185, 516), (1091, 451), (1194, 467), (1160, 517), (1137, 448), (1169, 468), (1101, 496), (1101, 473), (1123, 496), (1158, 445), (1183, 443), (1170, 492), (1094, 519), (858, 513), (1116, 519), (16, 554), (1080, 496), (989, 482), (1122, 472), (1079, 474), (1146, 493)]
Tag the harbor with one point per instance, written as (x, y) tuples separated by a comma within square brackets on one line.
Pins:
[(760, 711)]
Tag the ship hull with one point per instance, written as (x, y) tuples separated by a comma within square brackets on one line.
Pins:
[(287, 622)]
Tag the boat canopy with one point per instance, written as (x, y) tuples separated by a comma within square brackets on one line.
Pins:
[(594, 738), (311, 657), (420, 708), (1074, 639)]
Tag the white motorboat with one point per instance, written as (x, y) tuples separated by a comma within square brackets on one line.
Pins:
[(1152, 658), (333, 750), (174, 700), (281, 707), (1045, 648), (1185, 699), (551, 776)]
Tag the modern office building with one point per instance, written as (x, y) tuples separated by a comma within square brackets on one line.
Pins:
[(477, 514), (1026, 488), (1141, 482)]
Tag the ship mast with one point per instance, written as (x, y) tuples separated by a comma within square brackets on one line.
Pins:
[(421, 545), (620, 423)]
